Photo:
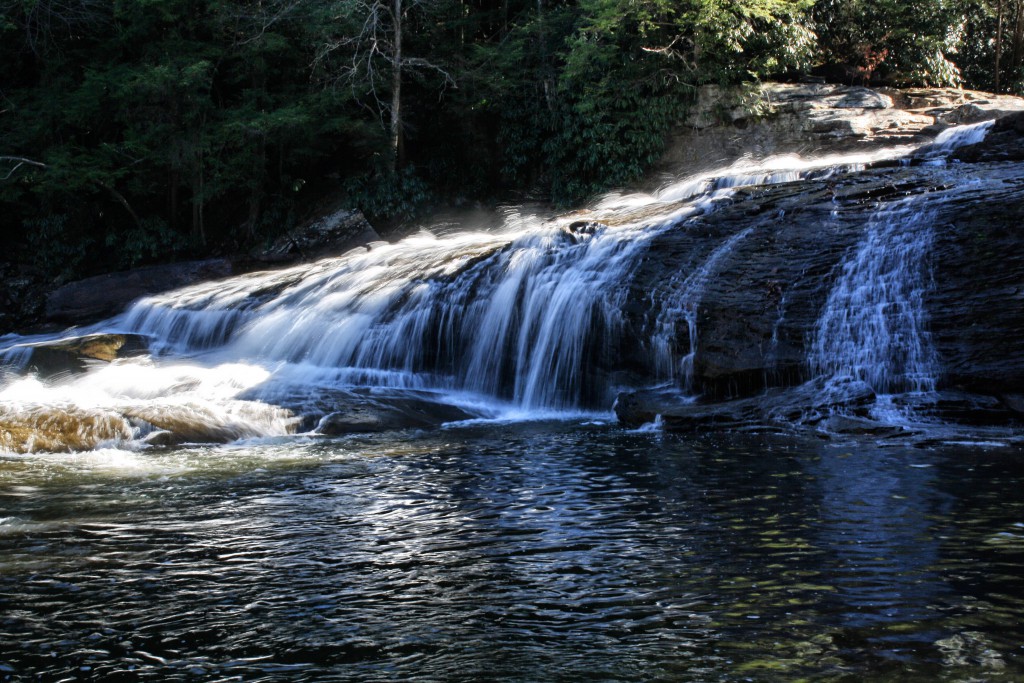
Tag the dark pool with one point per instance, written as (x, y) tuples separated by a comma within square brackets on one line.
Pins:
[(522, 552)]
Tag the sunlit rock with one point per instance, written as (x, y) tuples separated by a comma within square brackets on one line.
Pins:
[(59, 428), (75, 354)]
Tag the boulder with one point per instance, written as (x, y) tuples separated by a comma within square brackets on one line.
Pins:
[(330, 235), (389, 414), (335, 411), (102, 296), (74, 355), (59, 429)]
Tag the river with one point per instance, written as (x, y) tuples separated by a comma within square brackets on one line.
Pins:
[(569, 550)]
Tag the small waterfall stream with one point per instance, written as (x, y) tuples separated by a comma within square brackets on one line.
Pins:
[(680, 304), (873, 327), (522, 319)]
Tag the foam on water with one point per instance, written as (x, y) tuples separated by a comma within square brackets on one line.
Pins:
[(511, 321)]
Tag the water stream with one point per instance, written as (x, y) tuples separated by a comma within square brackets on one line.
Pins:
[(529, 538)]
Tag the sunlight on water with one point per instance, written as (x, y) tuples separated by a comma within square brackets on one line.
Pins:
[(514, 552), (522, 318)]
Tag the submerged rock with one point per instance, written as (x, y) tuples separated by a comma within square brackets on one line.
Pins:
[(75, 354)]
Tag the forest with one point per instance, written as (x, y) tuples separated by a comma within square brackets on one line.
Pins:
[(133, 131)]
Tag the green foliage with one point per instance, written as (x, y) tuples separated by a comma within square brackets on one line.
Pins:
[(50, 249), (914, 42), (154, 129), (388, 194), (151, 240)]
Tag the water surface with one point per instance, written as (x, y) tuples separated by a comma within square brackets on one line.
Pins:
[(556, 551)]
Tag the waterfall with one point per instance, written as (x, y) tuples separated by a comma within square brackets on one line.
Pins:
[(680, 302), (528, 317), (873, 326), (524, 314), (513, 315)]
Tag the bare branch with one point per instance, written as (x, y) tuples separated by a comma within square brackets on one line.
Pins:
[(416, 62), (20, 161)]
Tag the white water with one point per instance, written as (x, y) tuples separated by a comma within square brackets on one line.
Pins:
[(680, 302), (514, 319), (519, 314), (874, 327)]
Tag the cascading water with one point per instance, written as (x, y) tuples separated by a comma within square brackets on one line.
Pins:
[(522, 319), (873, 327), (521, 314), (680, 304)]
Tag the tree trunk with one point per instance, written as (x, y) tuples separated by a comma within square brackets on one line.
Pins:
[(397, 146), (173, 198), (198, 229), (1018, 37), (256, 188), (999, 40)]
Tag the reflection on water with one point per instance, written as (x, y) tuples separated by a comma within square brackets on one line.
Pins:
[(546, 551)]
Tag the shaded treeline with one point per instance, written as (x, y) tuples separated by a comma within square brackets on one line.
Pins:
[(138, 130)]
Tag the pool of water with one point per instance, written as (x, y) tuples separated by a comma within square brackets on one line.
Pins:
[(552, 551)]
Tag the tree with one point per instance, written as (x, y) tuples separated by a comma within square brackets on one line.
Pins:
[(367, 52)]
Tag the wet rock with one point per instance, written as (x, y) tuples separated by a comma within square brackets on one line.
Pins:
[(959, 407), (102, 296), (757, 313), (806, 403), (1013, 403), (577, 231), (1004, 142), (174, 423), (381, 414), (74, 355), (862, 426), (59, 429)]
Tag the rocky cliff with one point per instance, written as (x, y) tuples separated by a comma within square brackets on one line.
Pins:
[(759, 316), (726, 124)]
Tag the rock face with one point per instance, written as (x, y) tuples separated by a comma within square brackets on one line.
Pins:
[(102, 296), (758, 315), (333, 234), (779, 118)]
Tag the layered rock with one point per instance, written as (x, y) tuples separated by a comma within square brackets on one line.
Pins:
[(779, 118), (757, 315)]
